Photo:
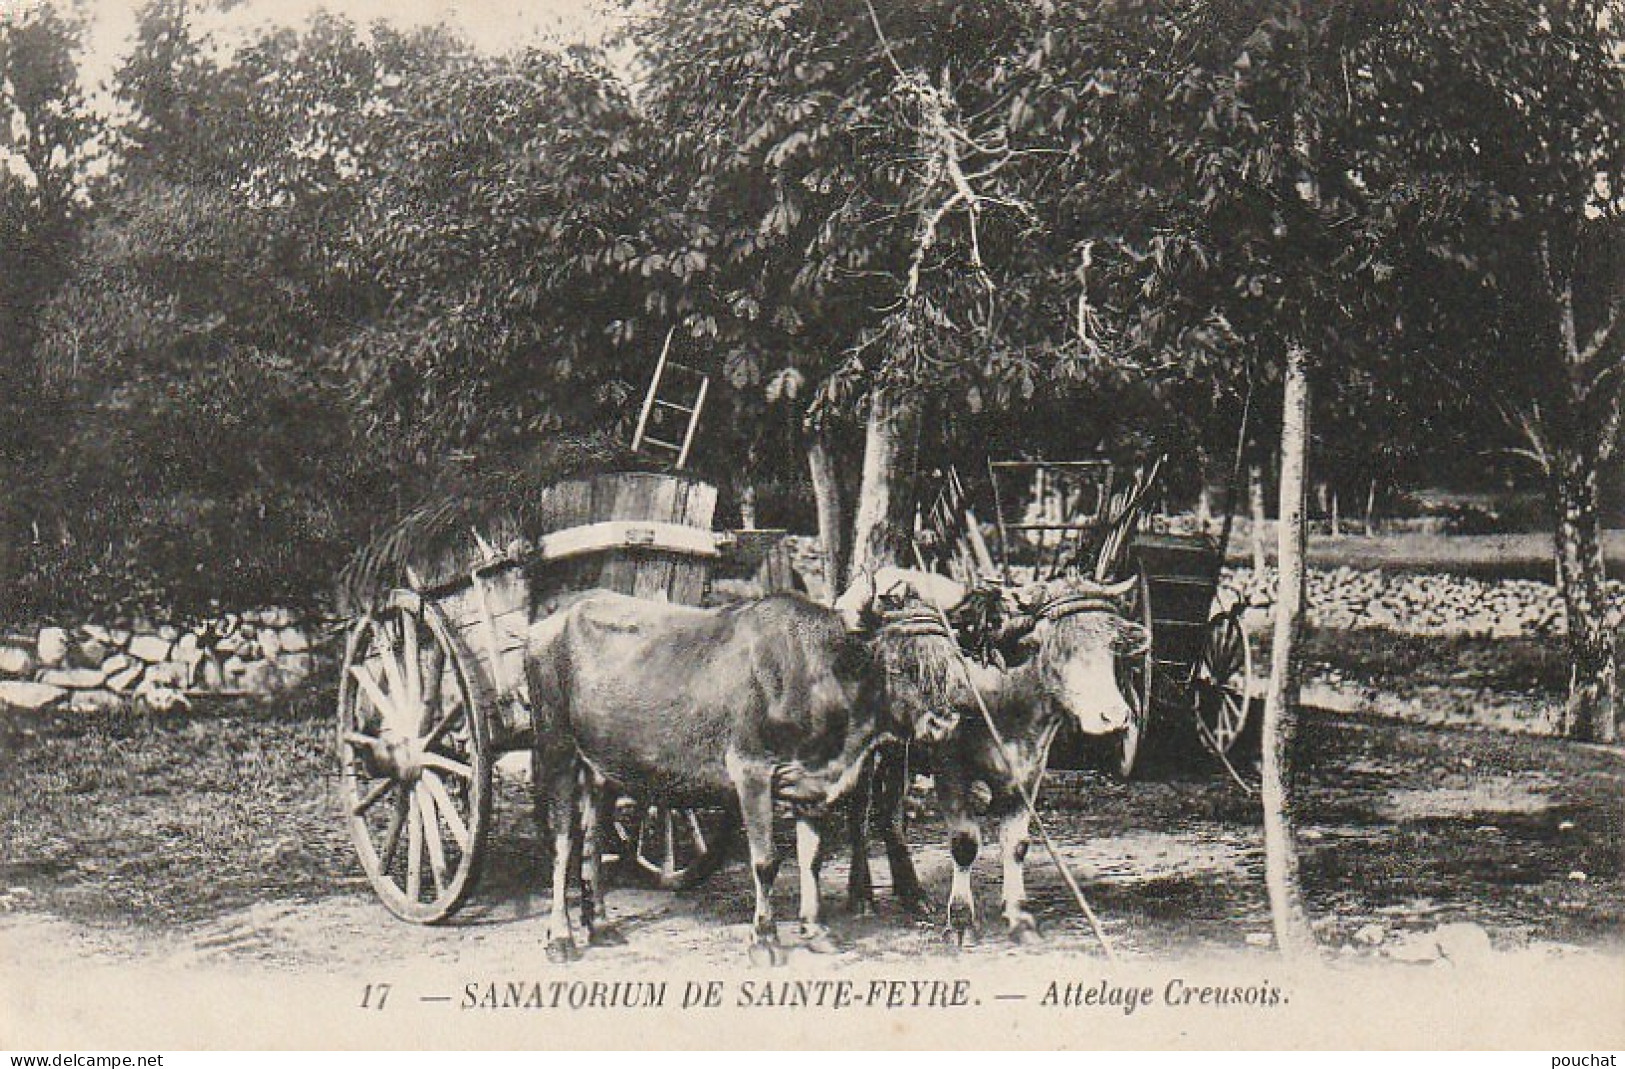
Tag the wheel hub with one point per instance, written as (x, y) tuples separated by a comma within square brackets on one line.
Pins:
[(395, 755)]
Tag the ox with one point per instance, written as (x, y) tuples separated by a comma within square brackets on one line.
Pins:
[(763, 700), (1070, 635)]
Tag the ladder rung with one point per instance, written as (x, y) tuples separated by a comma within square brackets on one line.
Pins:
[(674, 406), (661, 443), (672, 365)]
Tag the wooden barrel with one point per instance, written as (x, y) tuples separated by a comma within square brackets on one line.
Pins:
[(636, 567)]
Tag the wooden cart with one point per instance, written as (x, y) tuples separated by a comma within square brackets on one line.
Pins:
[(1199, 664), (432, 690)]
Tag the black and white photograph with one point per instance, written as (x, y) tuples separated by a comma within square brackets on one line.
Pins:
[(1018, 524)]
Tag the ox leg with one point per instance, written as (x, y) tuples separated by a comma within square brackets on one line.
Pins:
[(860, 886), (754, 785), (883, 795), (964, 843), (594, 910), (892, 802), (557, 767), (810, 861), (1014, 839)]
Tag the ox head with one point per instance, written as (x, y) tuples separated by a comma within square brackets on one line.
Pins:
[(1078, 636), (901, 614)]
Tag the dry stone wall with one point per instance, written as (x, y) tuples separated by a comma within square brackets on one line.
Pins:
[(1424, 603), (157, 666)]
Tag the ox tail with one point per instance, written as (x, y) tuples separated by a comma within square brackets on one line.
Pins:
[(854, 761), (795, 782)]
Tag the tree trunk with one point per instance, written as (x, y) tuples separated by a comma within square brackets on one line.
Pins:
[(883, 498), (1371, 509), (747, 506), (1255, 507), (1292, 932), (1204, 506), (831, 521), (1337, 517), (1593, 707)]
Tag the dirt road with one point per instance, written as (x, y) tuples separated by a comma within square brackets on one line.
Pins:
[(1417, 844)]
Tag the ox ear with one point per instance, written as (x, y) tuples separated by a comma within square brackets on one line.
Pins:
[(1030, 633), (1130, 639), (857, 604)]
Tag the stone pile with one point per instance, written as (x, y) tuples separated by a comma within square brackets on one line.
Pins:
[(93, 667), (1424, 604)]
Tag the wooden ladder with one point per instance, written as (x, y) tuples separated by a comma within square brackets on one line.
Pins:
[(672, 375)]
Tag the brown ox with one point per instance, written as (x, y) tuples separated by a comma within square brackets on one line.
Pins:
[(1074, 637), (756, 701)]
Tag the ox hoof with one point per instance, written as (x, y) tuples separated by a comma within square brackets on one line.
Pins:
[(861, 907), (765, 955), (1024, 930), (958, 938), (562, 951), (607, 935), (817, 939)]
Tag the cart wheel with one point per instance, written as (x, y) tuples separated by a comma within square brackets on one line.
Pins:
[(414, 758), (1135, 678), (1224, 680), (671, 848)]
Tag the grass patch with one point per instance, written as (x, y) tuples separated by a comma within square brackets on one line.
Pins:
[(1487, 557), (1397, 661), (120, 816)]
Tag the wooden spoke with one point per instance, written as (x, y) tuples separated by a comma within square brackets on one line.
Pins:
[(431, 838), (380, 701), (392, 670), (414, 849), (375, 792), (699, 832), (447, 764), (413, 664), (1138, 681), (643, 834), (392, 838), (447, 719), (669, 847), (668, 863), (448, 811), (1224, 684)]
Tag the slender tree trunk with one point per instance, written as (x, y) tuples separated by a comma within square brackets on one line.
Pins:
[(747, 506), (883, 497), (1292, 932), (1371, 509), (1255, 507), (1337, 517), (831, 518), (1593, 707)]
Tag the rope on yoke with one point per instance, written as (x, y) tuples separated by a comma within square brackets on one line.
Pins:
[(1026, 797), (1072, 604), (915, 622)]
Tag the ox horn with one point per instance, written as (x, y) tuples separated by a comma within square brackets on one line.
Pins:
[(1110, 590)]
